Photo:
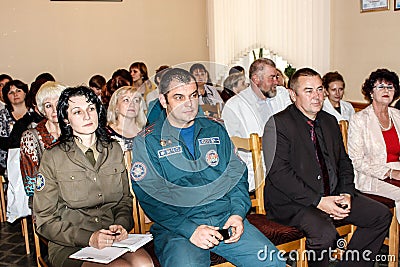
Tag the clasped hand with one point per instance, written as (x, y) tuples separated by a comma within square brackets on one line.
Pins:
[(106, 237), (331, 205), (207, 237)]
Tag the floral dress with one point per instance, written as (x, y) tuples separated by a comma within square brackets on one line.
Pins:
[(6, 123), (125, 142), (33, 143)]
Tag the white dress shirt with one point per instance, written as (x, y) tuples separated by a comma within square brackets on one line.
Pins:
[(346, 110), (245, 113)]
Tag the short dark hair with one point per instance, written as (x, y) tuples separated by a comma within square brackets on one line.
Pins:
[(380, 75), (236, 69), (124, 74), (177, 74), (258, 66), (5, 76), (159, 72), (97, 81), (199, 66), (35, 86), (17, 83), (67, 135), (293, 82), (330, 77)]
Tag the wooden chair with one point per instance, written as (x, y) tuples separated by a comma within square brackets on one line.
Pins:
[(392, 241), (25, 234), (135, 210), (3, 214), (212, 110), (38, 240), (285, 238), (358, 105)]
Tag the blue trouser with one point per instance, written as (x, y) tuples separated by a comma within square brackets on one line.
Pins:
[(252, 249)]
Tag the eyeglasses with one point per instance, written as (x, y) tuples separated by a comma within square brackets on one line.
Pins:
[(381, 86)]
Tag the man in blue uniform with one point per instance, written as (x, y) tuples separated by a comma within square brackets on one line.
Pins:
[(190, 183)]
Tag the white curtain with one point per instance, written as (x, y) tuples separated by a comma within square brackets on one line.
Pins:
[(297, 30)]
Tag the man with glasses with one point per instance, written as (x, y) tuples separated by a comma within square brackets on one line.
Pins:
[(248, 111), (190, 182)]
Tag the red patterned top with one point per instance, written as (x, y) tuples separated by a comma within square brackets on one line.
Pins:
[(33, 143), (392, 144)]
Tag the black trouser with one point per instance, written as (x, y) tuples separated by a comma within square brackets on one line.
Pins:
[(371, 218)]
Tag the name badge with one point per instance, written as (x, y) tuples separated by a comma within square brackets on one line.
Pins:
[(169, 151), (209, 141)]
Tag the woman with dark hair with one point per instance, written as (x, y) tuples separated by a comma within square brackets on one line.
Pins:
[(4, 78), (98, 84), (207, 93), (140, 78), (119, 78), (14, 93), (82, 195), (334, 88), (373, 143)]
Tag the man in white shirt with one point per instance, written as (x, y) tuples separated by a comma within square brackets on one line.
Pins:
[(248, 111)]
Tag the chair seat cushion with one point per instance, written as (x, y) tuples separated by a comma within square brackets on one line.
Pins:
[(275, 232), (149, 247)]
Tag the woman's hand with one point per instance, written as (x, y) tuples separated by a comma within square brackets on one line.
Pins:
[(119, 232), (102, 238), (395, 174)]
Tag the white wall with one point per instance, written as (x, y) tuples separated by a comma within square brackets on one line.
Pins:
[(76, 39)]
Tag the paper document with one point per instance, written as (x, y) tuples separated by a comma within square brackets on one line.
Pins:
[(108, 254)]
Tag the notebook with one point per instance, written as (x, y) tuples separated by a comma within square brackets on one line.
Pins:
[(108, 254)]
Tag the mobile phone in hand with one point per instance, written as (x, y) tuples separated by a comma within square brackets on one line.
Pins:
[(225, 233)]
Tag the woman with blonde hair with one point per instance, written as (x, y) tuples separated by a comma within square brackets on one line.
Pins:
[(34, 141), (126, 116)]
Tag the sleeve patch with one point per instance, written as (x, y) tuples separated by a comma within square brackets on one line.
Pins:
[(138, 171), (40, 182)]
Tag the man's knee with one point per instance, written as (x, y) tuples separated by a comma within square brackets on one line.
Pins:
[(325, 239)]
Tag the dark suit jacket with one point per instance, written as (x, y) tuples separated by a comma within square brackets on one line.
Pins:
[(294, 178)]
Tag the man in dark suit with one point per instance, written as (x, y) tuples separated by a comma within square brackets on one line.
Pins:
[(310, 177)]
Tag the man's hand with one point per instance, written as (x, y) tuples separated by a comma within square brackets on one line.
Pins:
[(235, 222), (206, 237), (330, 205)]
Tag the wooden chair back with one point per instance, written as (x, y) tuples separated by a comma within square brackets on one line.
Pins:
[(344, 125), (254, 145), (212, 110), (3, 214)]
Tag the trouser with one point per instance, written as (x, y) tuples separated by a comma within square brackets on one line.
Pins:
[(372, 220), (252, 249)]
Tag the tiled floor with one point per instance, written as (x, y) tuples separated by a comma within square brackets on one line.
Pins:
[(12, 246)]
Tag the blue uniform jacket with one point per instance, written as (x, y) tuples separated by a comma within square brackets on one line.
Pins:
[(179, 191)]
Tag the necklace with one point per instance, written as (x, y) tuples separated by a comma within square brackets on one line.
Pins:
[(388, 128)]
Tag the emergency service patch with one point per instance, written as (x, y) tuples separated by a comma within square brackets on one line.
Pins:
[(138, 171), (212, 158), (40, 182), (169, 151), (209, 141)]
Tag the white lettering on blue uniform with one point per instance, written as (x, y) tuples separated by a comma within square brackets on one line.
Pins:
[(138, 171), (209, 141), (169, 151)]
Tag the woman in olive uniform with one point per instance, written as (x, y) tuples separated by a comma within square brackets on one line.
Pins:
[(82, 193)]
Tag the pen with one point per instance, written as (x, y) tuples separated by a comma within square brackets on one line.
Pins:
[(116, 233)]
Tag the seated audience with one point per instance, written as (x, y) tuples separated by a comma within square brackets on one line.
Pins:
[(34, 141), (4, 78), (374, 137), (125, 116), (191, 188), (233, 84), (310, 182), (248, 111), (14, 93), (98, 84), (208, 93), (86, 173), (140, 77), (334, 88)]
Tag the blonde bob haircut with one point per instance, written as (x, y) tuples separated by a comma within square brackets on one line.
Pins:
[(48, 90), (112, 114)]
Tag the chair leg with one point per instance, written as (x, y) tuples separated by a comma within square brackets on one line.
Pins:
[(394, 241), (3, 215), (302, 259), (25, 234)]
